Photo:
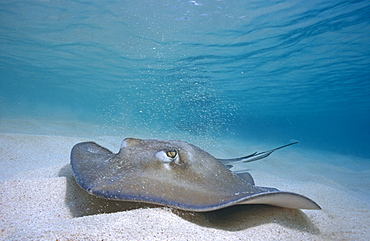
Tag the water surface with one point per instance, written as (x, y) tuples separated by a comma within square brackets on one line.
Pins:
[(268, 71)]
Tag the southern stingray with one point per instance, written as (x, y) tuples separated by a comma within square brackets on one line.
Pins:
[(175, 174)]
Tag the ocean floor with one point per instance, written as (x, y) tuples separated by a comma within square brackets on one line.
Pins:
[(40, 200)]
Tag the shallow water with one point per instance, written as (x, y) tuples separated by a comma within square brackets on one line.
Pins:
[(251, 70), (232, 77)]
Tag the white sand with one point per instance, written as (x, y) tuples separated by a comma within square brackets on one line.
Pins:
[(40, 201)]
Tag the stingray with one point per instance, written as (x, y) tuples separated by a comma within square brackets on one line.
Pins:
[(174, 174)]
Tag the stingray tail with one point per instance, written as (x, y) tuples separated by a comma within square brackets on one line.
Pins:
[(252, 157)]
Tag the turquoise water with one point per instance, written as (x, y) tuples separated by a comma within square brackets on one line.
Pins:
[(269, 71)]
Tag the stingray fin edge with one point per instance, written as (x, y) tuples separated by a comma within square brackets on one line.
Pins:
[(281, 199)]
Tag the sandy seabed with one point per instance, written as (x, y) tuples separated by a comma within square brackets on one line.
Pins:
[(39, 199)]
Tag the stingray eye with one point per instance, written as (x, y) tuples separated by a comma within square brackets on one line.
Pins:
[(171, 154)]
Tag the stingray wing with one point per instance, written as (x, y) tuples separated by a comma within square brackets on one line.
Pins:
[(280, 199), (86, 158)]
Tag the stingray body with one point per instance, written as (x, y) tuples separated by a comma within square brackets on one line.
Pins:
[(175, 174)]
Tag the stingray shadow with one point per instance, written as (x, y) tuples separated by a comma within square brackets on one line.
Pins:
[(242, 217), (235, 218), (80, 203)]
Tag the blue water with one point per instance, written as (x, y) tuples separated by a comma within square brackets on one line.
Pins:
[(269, 71)]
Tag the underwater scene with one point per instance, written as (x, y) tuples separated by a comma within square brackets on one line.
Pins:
[(230, 77)]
